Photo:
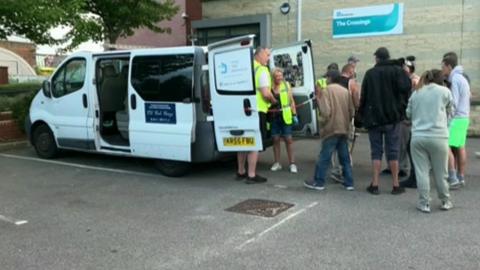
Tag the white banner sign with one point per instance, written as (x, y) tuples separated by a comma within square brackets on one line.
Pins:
[(368, 21)]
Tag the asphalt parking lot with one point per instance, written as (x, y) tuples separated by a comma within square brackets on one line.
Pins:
[(85, 211)]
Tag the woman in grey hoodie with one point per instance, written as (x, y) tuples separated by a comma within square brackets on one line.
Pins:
[(428, 108)]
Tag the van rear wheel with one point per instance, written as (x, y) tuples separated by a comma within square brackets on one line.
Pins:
[(172, 168), (44, 142)]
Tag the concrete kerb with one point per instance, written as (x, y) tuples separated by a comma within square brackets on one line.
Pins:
[(5, 146)]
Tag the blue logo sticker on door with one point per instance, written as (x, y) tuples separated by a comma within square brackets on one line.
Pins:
[(160, 113)]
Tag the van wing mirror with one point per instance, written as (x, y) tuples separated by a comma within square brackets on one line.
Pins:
[(46, 88)]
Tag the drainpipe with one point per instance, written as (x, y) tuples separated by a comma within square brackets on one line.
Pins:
[(299, 20)]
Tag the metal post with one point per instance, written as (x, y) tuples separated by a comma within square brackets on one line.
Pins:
[(299, 20)]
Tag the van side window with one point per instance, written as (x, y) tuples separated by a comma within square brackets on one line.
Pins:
[(163, 78), (69, 78)]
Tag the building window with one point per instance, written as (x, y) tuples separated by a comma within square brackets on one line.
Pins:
[(207, 36), (163, 78)]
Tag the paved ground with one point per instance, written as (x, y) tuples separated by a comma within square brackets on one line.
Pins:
[(83, 217)]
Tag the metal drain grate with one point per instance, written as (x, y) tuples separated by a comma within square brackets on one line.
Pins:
[(259, 207)]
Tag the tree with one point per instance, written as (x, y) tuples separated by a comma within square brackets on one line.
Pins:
[(97, 20), (34, 18), (111, 19)]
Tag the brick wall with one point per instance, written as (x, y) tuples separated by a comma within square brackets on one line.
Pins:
[(9, 129), (179, 26), (25, 50), (431, 28)]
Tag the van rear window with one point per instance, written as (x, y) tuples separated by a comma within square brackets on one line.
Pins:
[(163, 78)]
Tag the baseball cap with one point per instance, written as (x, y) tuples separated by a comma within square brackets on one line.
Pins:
[(382, 53)]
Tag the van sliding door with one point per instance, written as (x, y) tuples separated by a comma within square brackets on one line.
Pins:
[(161, 108)]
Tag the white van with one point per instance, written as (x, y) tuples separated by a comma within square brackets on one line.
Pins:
[(174, 105)]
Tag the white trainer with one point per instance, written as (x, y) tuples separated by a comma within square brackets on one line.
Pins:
[(276, 167), (293, 168), (447, 205), (425, 208)]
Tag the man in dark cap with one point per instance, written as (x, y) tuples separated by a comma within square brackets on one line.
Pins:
[(384, 96)]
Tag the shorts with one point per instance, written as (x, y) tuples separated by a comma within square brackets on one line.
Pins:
[(280, 129), (391, 133), (458, 132)]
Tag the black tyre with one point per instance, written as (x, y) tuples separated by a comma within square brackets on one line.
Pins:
[(172, 168), (44, 142)]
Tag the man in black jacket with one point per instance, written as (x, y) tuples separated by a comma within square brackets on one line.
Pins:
[(384, 98)]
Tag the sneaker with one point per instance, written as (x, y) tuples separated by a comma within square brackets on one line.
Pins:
[(276, 167), (256, 179), (293, 168), (447, 205), (425, 208), (240, 176), (461, 180), (349, 188), (453, 183), (337, 178), (397, 190), (313, 185), (373, 190)]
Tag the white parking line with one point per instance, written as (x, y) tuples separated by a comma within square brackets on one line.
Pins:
[(13, 221), (276, 225), (80, 165)]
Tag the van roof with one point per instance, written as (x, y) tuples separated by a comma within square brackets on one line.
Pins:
[(143, 51)]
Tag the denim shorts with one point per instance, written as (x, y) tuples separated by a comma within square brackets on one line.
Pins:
[(391, 134), (280, 129)]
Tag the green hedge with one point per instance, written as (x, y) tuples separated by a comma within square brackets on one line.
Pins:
[(19, 88), (21, 108)]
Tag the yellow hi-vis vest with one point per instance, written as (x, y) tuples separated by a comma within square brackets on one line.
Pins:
[(322, 83), (262, 104), (285, 103)]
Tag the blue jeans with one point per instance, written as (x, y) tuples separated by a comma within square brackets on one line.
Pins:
[(329, 145)]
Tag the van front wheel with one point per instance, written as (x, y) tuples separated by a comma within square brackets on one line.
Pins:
[(44, 142), (172, 168)]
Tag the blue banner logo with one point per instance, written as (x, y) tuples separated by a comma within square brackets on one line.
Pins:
[(163, 113)]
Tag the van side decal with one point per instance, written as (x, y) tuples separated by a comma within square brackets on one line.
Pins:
[(163, 113)]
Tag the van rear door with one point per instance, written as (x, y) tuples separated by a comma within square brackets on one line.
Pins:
[(296, 60), (233, 95)]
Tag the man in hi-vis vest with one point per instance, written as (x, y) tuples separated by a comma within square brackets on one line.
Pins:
[(263, 86)]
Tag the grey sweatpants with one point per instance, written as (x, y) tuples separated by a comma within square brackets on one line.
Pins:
[(430, 153), (403, 159)]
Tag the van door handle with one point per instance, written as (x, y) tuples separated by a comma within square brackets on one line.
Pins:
[(237, 132), (247, 107), (84, 99), (133, 101)]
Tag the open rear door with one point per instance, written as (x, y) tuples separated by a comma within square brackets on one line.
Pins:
[(233, 96), (297, 62)]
